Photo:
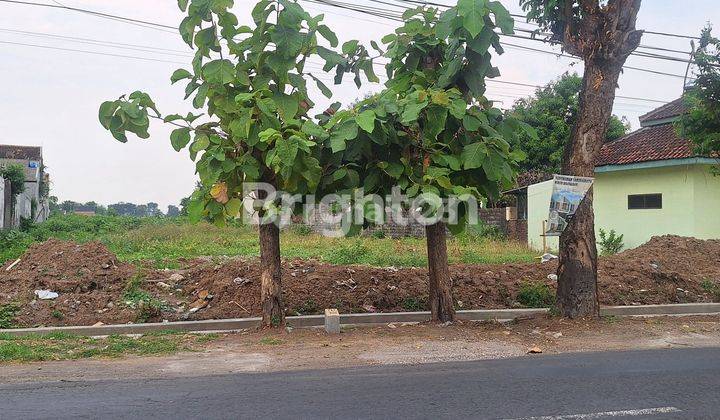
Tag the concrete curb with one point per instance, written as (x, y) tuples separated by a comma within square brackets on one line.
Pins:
[(236, 324)]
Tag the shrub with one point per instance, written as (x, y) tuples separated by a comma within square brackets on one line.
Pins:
[(535, 295), (301, 229), (610, 242)]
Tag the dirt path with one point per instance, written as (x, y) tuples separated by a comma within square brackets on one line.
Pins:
[(263, 351)]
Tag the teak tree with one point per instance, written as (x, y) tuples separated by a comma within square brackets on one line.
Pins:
[(603, 34), (432, 130), (252, 83)]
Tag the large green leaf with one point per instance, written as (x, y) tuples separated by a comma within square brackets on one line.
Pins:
[(473, 155), (503, 19), (287, 105), (472, 12), (219, 71), (179, 138), (366, 120)]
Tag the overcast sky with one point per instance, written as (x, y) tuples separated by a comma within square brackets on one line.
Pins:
[(50, 97)]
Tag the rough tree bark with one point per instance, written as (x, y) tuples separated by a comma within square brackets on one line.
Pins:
[(604, 38), (441, 301), (271, 276)]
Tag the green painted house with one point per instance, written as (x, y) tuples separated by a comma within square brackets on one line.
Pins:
[(647, 183)]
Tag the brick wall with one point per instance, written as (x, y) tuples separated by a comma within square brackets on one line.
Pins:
[(493, 217), (517, 230)]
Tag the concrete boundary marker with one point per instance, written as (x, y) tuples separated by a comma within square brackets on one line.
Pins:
[(236, 324)]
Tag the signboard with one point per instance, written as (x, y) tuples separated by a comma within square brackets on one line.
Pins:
[(568, 192)]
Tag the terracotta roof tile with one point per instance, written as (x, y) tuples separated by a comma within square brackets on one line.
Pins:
[(669, 110), (659, 142), (20, 152)]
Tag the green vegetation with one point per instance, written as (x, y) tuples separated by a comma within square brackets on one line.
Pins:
[(136, 298), (62, 346), (536, 295), (552, 111), (711, 287), (414, 304), (7, 315), (164, 241), (610, 242)]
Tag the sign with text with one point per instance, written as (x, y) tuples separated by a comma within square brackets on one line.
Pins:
[(568, 192)]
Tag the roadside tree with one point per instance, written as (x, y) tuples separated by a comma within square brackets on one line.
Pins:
[(252, 85), (602, 34), (432, 132)]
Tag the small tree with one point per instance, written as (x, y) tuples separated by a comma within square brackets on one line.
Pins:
[(701, 121), (252, 82), (603, 34), (432, 131)]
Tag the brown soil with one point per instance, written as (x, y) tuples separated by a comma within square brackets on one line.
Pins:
[(668, 269)]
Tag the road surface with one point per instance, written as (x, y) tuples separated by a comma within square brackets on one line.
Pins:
[(656, 384)]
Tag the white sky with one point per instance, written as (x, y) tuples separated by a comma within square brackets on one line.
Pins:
[(51, 97)]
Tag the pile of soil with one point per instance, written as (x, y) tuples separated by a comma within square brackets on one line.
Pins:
[(91, 282), (88, 278)]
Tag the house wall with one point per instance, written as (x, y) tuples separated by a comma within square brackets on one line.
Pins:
[(707, 203), (675, 183), (690, 204)]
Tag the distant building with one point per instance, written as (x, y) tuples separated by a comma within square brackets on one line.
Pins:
[(33, 202)]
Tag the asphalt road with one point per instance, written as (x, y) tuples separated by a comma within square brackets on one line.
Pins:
[(655, 384)]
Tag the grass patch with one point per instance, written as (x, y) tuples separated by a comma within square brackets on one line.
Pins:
[(62, 346), (164, 241), (536, 295)]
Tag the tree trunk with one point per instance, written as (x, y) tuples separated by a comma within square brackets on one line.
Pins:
[(441, 301), (577, 294), (271, 276)]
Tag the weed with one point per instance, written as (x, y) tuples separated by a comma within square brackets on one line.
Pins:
[(148, 307), (302, 229), (309, 307), (378, 234), (414, 304), (275, 321), (270, 341), (611, 319), (610, 242), (535, 295), (7, 315), (711, 287), (57, 315)]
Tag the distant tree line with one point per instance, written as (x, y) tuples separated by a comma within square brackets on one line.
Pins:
[(118, 209)]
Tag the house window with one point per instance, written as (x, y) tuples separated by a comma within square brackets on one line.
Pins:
[(644, 201)]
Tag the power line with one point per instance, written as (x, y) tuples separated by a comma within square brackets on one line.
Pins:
[(91, 41), (90, 52), (137, 22)]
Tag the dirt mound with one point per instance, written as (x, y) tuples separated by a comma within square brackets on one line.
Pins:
[(92, 284), (87, 277), (666, 269)]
